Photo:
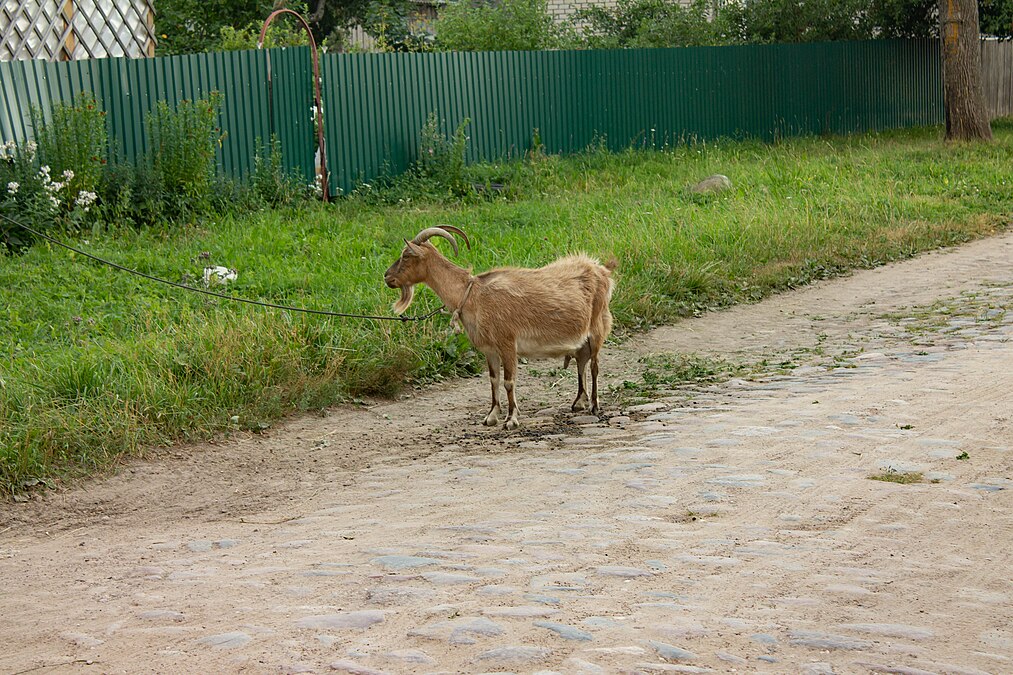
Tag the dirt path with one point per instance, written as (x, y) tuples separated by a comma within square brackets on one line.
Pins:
[(728, 527)]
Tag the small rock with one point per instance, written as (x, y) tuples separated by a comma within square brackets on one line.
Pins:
[(226, 640), (346, 666), (624, 572), (158, 614), (515, 654), (523, 611), (891, 630), (402, 562), (564, 631), (410, 656), (712, 184), (670, 652), (815, 640), (820, 668), (447, 578), (360, 619)]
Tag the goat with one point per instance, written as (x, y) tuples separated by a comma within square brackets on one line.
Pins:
[(560, 310)]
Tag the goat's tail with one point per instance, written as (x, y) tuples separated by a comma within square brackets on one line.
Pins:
[(611, 263)]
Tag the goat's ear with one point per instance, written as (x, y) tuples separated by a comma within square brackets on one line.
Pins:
[(411, 249)]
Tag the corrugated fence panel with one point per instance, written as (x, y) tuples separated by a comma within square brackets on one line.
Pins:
[(375, 105), (128, 89), (378, 103)]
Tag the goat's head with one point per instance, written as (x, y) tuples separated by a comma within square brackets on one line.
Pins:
[(413, 265)]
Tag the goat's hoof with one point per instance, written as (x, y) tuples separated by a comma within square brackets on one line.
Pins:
[(492, 419), (511, 424)]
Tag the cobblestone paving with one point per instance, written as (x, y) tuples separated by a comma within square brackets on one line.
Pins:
[(733, 528)]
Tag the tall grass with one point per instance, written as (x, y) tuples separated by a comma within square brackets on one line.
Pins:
[(97, 364)]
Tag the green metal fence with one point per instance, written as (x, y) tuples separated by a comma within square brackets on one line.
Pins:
[(128, 89), (376, 104)]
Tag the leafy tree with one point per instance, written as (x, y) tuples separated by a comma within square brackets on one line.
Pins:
[(504, 25), (189, 26), (646, 23), (996, 17), (769, 21)]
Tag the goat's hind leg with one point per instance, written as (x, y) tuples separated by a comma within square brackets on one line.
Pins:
[(493, 362), (595, 345), (583, 356), (509, 378)]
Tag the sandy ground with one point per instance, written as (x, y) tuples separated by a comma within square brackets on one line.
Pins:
[(731, 527)]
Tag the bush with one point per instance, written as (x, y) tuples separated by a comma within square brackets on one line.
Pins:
[(521, 25), (30, 195)]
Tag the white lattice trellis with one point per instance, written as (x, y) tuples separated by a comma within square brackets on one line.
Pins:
[(66, 30)]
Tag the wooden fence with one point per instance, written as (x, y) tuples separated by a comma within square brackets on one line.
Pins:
[(997, 76)]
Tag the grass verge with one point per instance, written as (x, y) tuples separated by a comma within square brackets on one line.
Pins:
[(97, 364)]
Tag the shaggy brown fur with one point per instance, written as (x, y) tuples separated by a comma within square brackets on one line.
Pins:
[(560, 310)]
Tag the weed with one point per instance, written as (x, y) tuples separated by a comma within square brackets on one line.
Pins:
[(902, 477), (665, 372), (183, 141)]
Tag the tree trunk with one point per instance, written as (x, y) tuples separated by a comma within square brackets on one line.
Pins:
[(966, 114)]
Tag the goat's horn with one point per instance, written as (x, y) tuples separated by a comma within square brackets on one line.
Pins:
[(435, 232), (458, 231)]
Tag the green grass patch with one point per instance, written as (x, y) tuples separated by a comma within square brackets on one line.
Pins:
[(95, 363), (661, 374), (902, 477)]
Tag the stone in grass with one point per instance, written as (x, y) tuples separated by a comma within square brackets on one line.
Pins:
[(564, 631), (671, 652), (712, 184)]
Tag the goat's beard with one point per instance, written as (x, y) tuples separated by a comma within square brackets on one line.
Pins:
[(407, 295)]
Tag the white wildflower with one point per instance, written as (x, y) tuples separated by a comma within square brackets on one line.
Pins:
[(30, 148), (68, 175), (44, 172), (12, 187), (85, 199), (54, 201), (54, 187)]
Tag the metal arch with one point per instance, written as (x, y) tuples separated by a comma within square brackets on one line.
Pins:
[(324, 173)]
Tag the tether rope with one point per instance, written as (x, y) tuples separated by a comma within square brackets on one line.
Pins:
[(205, 291)]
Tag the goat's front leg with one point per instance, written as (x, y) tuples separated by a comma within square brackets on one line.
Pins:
[(493, 362), (583, 355), (595, 350), (509, 377)]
